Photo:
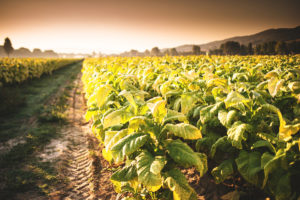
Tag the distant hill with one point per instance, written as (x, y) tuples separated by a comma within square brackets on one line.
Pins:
[(280, 34)]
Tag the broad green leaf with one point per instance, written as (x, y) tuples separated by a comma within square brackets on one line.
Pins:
[(271, 163), (207, 113), (127, 173), (145, 162), (294, 86), (191, 75), (177, 104), (127, 84), (143, 124), (237, 133), (264, 143), (173, 115), (128, 95), (165, 87), (285, 131), (223, 171), (117, 117), (100, 95), (221, 143), (267, 137), (136, 123), (249, 166), (177, 183), (108, 136), (107, 155), (217, 82), (154, 100), (188, 101), (280, 185), (158, 110), (173, 93), (262, 85), (158, 164), (271, 74), (274, 85), (115, 138), (265, 158), (234, 98), (240, 77), (128, 145), (186, 131), (183, 154), (226, 118), (218, 92), (117, 186), (204, 144)]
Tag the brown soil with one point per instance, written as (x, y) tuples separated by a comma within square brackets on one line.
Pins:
[(77, 158)]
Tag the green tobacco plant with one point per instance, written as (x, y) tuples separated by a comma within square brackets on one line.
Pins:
[(151, 152), (242, 112)]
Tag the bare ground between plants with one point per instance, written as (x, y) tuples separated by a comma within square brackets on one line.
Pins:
[(77, 156)]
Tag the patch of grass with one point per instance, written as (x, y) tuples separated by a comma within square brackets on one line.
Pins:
[(20, 102), (35, 175), (20, 170)]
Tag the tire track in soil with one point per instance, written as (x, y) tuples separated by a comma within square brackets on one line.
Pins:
[(71, 152), (87, 174), (77, 164)]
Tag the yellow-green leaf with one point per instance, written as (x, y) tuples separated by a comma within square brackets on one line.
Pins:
[(188, 101), (117, 117), (234, 98), (128, 145), (145, 162), (177, 183), (186, 131), (274, 85), (181, 153), (158, 110)]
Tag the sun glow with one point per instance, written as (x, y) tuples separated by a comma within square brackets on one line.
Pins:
[(82, 39)]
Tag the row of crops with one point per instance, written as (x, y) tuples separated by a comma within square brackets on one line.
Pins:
[(17, 70), (158, 115)]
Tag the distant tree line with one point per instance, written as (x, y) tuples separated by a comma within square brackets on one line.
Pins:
[(267, 48), (155, 51), (8, 50)]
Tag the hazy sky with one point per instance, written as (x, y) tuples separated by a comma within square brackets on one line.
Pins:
[(119, 25)]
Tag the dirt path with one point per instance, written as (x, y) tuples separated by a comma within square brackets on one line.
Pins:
[(75, 156)]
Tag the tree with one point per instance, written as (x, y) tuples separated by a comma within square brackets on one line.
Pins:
[(264, 48), (258, 49), (134, 52), (231, 48), (8, 46), (52, 54), (281, 48), (22, 52), (250, 49), (196, 50), (271, 48), (166, 52), (146, 52), (294, 47), (155, 51), (37, 52), (173, 52), (243, 50)]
